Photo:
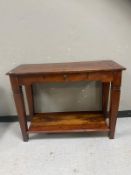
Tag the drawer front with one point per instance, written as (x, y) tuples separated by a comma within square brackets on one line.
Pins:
[(91, 76)]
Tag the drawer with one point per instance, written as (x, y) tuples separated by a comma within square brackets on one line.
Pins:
[(72, 77)]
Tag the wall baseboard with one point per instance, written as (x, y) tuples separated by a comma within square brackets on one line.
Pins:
[(14, 118), (126, 113)]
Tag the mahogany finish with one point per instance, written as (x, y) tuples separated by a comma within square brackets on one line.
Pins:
[(71, 67), (68, 122), (108, 72)]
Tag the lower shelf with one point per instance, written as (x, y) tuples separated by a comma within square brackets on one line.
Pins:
[(64, 122)]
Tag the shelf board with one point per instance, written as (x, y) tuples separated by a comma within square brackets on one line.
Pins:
[(64, 122)]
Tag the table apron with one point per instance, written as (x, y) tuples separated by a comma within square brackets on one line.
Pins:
[(67, 77)]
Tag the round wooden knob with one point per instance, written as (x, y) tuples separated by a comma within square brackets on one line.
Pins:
[(65, 77)]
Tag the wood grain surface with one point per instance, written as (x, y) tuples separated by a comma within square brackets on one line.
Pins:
[(53, 68), (68, 121)]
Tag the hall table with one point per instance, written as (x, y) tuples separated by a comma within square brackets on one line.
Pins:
[(106, 71)]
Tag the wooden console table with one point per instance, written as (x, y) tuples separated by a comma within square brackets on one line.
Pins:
[(108, 72)]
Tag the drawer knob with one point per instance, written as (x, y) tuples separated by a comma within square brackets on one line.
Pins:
[(65, 77)]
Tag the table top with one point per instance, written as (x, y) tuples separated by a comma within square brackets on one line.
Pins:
[(70, 67)]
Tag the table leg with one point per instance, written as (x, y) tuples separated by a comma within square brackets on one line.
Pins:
[(30, 99), (20, 107), (105, 96), (114, 104)]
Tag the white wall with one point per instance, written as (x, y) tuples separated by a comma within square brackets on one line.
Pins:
[(39, 31)]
